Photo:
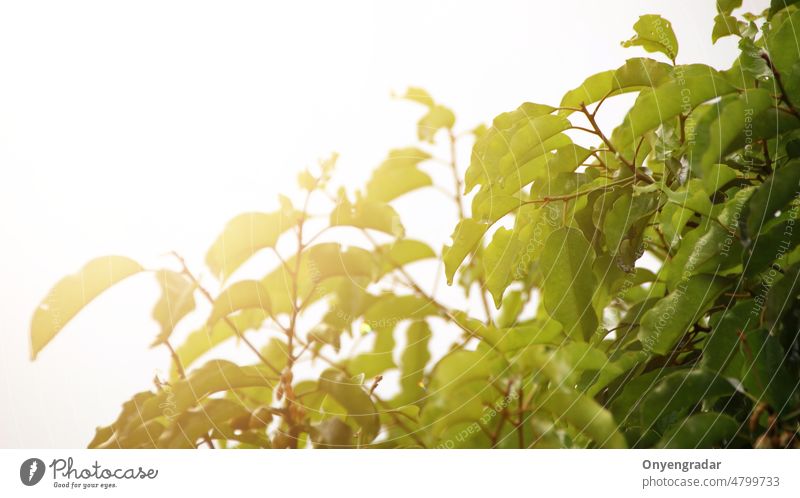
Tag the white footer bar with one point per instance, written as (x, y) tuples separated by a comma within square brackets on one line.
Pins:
[(400, 473)]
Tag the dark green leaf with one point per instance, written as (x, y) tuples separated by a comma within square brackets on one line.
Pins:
[(677, 393), (666, 323), (703, 430), (770, 197), (569, 282), (764, 373)]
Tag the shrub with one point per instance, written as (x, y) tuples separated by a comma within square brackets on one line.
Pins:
[(639, 284)]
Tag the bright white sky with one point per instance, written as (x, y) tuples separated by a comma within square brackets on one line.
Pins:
[(141, 127)]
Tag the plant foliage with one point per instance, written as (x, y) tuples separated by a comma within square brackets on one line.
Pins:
[(639, 284)]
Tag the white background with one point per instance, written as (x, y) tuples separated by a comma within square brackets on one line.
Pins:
[(404, 473), (138, 128)]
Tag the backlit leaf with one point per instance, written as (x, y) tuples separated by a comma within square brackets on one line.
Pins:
[(244, 295), (243, 236), (72, 293), (177, 300), (398, 174), (654, 34), (354, 399)]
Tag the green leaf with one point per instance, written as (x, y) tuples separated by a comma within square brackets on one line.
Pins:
[(593, 89), (206, 338), (586, 415), (177, 300), (193, 424), (772, 244), (530, 140), (398, 175), (402, 253), (625, 213), (332, 433), (771, 196), (352, 397), (654, 34), (512, 339), (461, 367), (703, 430), (381, 318), (306, 180), (712, 247), (366, 214), (730, 117), (720, 350), (247, 294), (110, 437), (782, 297), (569, 282), (614, 370), (276, 353), (245, 235), (725, 25), (580, 357), (390, 309), (512, 305), (319, 264), (717, 177), (764, 373), (413, 361), (752, 62), (73, 292), (626, 407), (778, 5), (637, 73), (687, 87), (213, 377), (499, 259), (677, 393), (418, 95), (727, 6), (438, 116), (466, 237), (666, 323), (494, 144)]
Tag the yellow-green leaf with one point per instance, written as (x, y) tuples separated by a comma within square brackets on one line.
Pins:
[(367, 214), (177, 300), (245, 235), (466, 238), (244, 295), (654, 34), (353, 398), (73, 292), (398, 175)]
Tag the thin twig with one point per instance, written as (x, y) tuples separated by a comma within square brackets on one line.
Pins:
[(210, 298)]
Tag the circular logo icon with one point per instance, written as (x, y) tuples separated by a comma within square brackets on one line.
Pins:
[(31, 471)]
